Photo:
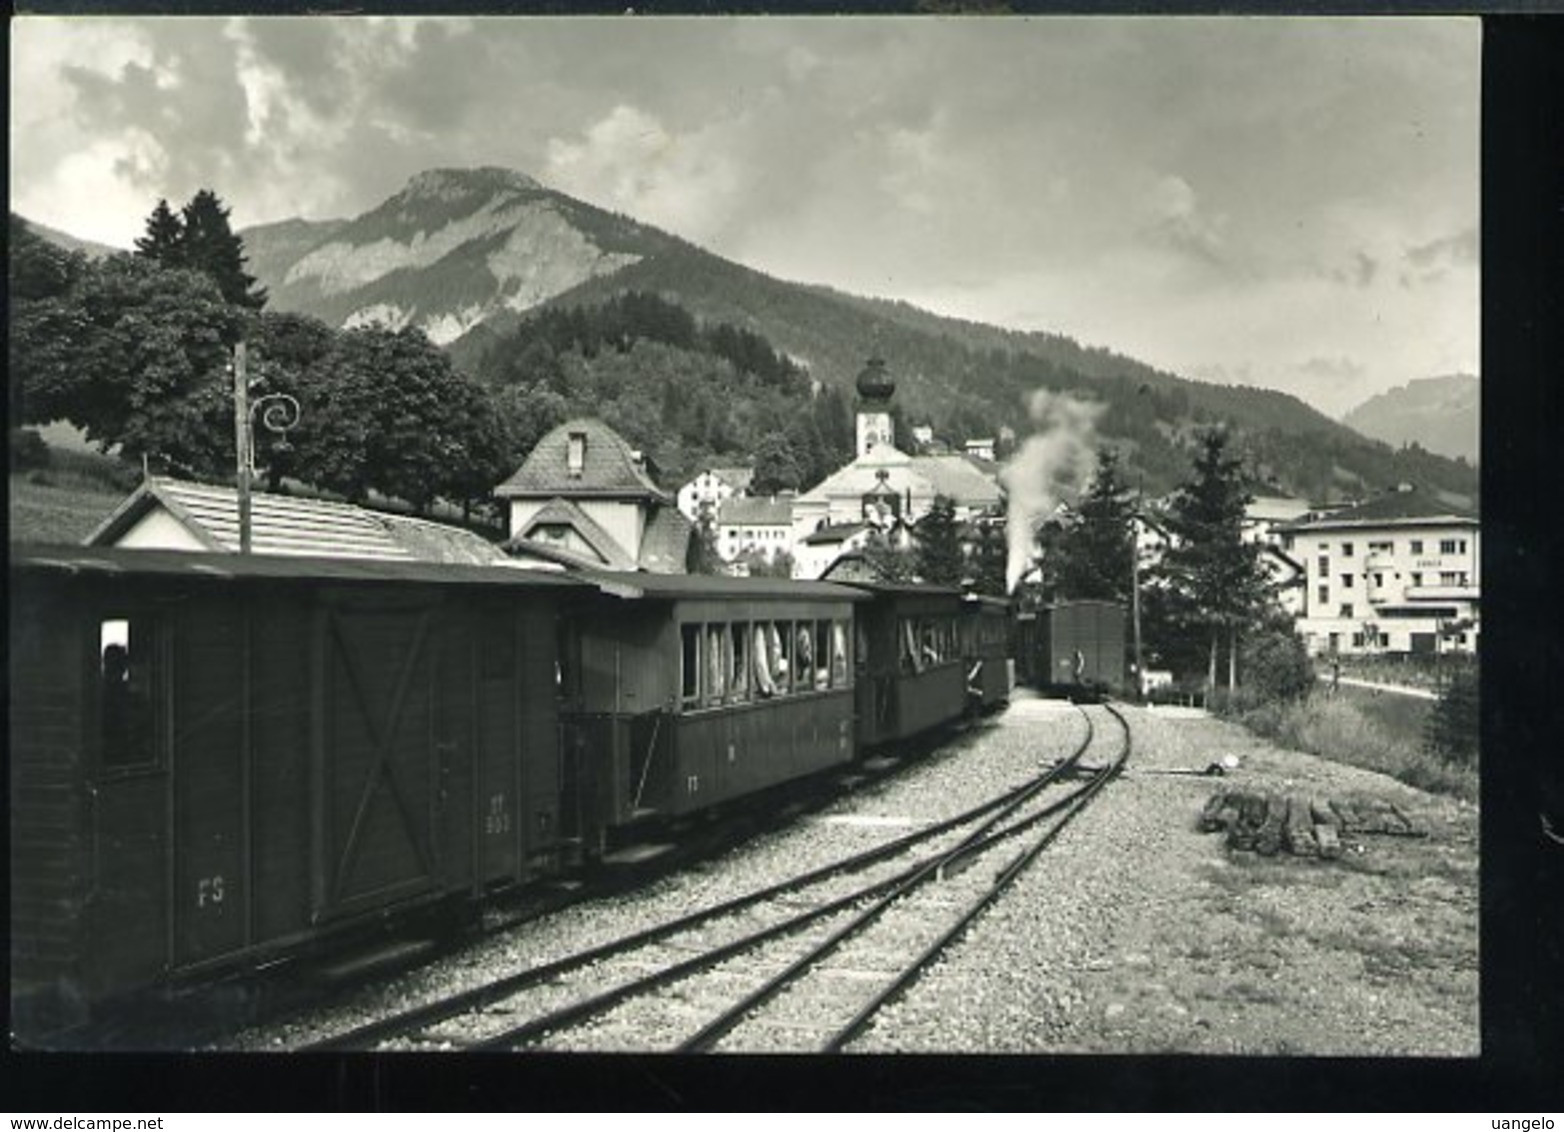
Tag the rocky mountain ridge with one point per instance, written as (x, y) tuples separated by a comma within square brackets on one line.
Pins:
[(1440, 413)]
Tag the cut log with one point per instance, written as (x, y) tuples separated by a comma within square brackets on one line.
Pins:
[(1329, 843), (1298, 834), (1269, 837), (1210, 816)]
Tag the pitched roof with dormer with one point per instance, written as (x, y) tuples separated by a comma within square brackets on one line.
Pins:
[(610, 469), (563, 513)]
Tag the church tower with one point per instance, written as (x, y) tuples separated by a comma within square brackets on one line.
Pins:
[(875, 388)]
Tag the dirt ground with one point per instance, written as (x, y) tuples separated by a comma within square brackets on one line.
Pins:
[(1139, 934)]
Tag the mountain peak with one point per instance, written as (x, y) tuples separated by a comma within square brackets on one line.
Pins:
[(453, 184)]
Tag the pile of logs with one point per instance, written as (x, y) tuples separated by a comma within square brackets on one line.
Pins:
[(1306, 827)]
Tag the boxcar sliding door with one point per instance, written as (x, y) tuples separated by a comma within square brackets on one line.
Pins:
[(377, 762)]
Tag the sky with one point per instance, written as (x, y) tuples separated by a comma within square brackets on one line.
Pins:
[(1290, 203)]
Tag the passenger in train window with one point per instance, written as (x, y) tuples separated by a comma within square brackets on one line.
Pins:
[(716, 664), (822, 651), (804, 656), (738, 655), (765, 659), (126, 711)]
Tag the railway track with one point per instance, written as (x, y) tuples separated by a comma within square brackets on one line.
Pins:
[(806, 963)]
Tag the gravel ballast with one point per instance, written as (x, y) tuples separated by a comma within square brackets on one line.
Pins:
[(1132, 933)]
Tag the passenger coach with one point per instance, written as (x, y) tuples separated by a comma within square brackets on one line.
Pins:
[(683, 692)]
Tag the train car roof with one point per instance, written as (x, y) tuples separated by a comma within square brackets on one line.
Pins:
[(677, 587), (110, 562), (919, 589), (986, 602)]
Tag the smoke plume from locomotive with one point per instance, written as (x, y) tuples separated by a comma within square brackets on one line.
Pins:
[(1052, 462)]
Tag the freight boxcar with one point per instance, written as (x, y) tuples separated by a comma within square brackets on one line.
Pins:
[(214, 758), (684, 692), (1080, 646), (911, 676)]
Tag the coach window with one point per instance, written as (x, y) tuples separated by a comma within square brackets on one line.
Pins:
[(822, 649), (124, 675), (690, 651), (716, 664), (909, 647), (838, 654), (738, 656), (786, 660), (765, 659)]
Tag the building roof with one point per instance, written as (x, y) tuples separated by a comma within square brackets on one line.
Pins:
[(1276, 508), (1413, 506), (839, 532), (562, 512), (961, 477), (665, 544), (222, 566), (750, 511), (610, 470), (736, 478), (283, 525)]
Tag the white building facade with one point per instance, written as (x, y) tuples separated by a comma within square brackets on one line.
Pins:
[(1398, 574)]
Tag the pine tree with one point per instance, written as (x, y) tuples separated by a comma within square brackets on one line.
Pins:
[(1095, 559), (210, 245), (1215, 571), (938, 557), (165, 238)]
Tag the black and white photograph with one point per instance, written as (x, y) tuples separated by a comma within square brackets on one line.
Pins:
[(746, 534)]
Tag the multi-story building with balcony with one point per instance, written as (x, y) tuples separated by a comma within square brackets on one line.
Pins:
[(1397, 573)]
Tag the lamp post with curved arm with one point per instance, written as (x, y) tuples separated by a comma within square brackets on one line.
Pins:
[(278, 413)]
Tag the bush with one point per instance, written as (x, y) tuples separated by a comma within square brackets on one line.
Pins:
[(1276, 666), (28, 450)]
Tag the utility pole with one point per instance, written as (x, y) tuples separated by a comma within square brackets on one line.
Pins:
[(1135, 522), (242, 442)]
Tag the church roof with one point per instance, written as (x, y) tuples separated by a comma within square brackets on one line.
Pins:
[(610, 468), (955, 476)]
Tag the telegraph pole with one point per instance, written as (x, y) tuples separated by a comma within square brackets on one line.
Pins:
[(242, 442), (1135, 522)]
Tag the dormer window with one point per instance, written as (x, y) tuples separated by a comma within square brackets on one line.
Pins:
[(576, 453)]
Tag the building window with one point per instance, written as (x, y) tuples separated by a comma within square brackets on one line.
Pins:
[(575, 456), (1346, 550), (1417, 546), (1379, 579), (1324, 565), (1324, 594), (1452, 546), (1346, 609), (1417, 577), (1382, 547), (1346, 581), (1451, 578)]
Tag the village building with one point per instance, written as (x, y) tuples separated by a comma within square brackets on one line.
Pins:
[(746, 525), (711, 488), (1397, 573), (170, 514), (585, 497)]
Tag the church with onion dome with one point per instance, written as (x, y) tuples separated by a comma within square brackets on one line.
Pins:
[(884, 488)]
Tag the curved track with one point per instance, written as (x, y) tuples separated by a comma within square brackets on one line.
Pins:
[(771, 969)]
